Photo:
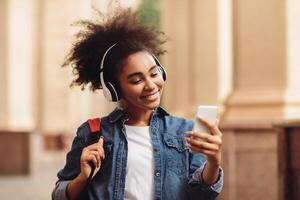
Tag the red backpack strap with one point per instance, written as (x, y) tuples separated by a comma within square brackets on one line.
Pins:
[(94, 124)]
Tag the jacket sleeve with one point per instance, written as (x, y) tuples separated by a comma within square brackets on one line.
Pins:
[(197, 189), (71, 168), (60, 190)]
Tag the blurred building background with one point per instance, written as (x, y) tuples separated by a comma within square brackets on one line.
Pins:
[(241, 55)]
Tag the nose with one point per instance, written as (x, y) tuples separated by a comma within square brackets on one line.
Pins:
[(150, 85)]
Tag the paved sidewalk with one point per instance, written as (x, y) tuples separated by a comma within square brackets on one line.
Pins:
[(37, 186)]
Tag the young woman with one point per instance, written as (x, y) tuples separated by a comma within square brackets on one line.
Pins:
[(141, 151)]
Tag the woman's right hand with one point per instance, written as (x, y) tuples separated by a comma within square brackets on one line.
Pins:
[(91, 155)]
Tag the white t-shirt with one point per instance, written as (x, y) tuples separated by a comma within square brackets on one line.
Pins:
[(139, 182)]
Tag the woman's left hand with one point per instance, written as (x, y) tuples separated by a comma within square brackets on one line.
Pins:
[(207, 143)]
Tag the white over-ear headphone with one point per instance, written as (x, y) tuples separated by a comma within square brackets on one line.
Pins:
[(109, 90)]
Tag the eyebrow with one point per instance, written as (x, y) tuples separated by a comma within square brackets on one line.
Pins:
[(139, 73)]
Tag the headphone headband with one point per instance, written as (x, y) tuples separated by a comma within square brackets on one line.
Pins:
[(102, 61)]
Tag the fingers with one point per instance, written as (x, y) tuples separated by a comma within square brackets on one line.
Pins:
[(93, 158), (94, 153), (199, 144), (100, 141), (100, 147), (204, 151), (213, 127), (205, 137), (208, 144), (96, 147), (205, 122)]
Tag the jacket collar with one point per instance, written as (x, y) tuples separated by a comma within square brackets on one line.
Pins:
[(119, 112)]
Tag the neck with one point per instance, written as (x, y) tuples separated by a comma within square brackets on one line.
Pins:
[(139, 117)]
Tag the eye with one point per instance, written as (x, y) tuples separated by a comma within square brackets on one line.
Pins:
[(154, 74), (135, 82)]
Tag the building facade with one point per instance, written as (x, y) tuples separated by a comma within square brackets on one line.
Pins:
[(237, 54)]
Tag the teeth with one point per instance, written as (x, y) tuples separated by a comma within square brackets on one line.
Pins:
[(150, 96)]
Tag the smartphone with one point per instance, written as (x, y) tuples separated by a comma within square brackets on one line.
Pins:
[(207, 112)]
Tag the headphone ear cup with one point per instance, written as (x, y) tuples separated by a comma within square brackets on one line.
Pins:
[(106, 93), (112, 91), (163, 72), (160, 68)]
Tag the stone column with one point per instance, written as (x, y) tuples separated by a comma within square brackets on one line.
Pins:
[(20, 54), (265, 89), (17, 95), (3, 65), (198, 61), (199, 64), (265, 61), (178, 63), (53, 91), (62, 109)]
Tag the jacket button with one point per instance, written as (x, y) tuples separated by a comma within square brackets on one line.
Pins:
[(157, 174)]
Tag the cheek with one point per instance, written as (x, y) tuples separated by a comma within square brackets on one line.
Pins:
[(133, 91), (160, 83)]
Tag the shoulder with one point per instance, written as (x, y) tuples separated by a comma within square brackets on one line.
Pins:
[(176, 125), (91, 126), (170, 119), (83, 129), (179, 121)]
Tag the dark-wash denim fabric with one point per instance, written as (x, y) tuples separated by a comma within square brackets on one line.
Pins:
[(177, 171)]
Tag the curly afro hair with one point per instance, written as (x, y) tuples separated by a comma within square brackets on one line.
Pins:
[(123, 27)]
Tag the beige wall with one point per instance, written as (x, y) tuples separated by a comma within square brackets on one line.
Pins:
[(16, 64), (265, 65), (241, 55), (199, 55), (3, 63), (194, 53), (260, 70), (259, 44), (35, 94), (63, 109)]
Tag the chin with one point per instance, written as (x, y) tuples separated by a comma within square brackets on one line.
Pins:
[(150, 105), (153, 106)]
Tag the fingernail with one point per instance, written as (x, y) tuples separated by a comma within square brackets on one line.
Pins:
[(190, 133), (201, 118)]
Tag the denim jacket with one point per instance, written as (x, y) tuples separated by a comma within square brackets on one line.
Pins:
[(177, 171)]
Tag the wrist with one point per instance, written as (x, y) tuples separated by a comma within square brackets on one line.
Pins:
[(214, 160), (213, 163), (81, 178), (76, 186), (211, 172)]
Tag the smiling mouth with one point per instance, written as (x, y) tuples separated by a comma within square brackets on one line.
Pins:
[(151, 96)]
